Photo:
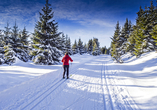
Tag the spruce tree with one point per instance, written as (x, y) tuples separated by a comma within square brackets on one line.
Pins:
[(68, 45), (63, 45), (90, 46), (75, 47), (96, 48), (1, 47), (130, 47), (23, 36), (103, 49), (4, 41), (7, 34), (85, 48), (154, 34), (46, 38), (115, 44), (80, 47), (140, 42), (145, 21), (125, 33), (12, 49)]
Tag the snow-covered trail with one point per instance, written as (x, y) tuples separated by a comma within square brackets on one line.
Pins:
[(93, 85)]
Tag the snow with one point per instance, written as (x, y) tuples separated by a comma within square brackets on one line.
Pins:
[(95, 83)]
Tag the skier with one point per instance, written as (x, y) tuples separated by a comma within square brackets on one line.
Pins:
[(65, 61)]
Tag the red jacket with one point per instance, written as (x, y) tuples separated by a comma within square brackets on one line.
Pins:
[(66, 59)]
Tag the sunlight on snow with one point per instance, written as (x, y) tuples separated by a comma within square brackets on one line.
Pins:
[(25, 70), (145, 70), (98, 71), (85, 83), (93, 63)]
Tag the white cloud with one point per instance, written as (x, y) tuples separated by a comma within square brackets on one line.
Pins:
[(81, 13), (24, 14)]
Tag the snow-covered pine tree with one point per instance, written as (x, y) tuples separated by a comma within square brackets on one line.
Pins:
[(125, 33), (103, 49), (85, 48), (154, 34), (106, 51), (63, 46), (1, 39), (46, 38), (115, 44), (4, 41), (151, 22), (96, 48), (12, 49), (7, 34), (140, 42), (90, 46), (68, 45), (75, 47), (80, 47), (1, 47), (24, 41), (24, 37), (130, 47), (145, 22)]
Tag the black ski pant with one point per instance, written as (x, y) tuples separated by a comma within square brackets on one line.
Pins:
[(66, 69)]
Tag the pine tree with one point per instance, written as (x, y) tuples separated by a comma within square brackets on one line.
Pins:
[(146, 20), (7, 34), (106, 51), (68, 45), (130, 46), (125, 33), (1, 39), (23, 36), (96, 48), (103, 50), (140, 43), (115, 44), (154, 34), (85, 49), (4, 41), (152, 21), (12, 49), (75, 47), (46, 37), (90, 46), (1, 47), (63, 45), (80, 47)]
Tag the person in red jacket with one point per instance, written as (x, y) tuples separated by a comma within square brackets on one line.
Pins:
[(65, 61)]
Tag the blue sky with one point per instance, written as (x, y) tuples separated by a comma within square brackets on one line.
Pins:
[(83, 19)]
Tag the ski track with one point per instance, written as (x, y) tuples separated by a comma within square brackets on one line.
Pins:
[(107, 98), (40, 96), (101, 93), (120, 98)]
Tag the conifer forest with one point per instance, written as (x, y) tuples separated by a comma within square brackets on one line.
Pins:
[(138, 38), (46, 45)]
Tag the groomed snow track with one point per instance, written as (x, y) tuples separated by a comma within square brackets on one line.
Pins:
[(115, 96), (40, 96)]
